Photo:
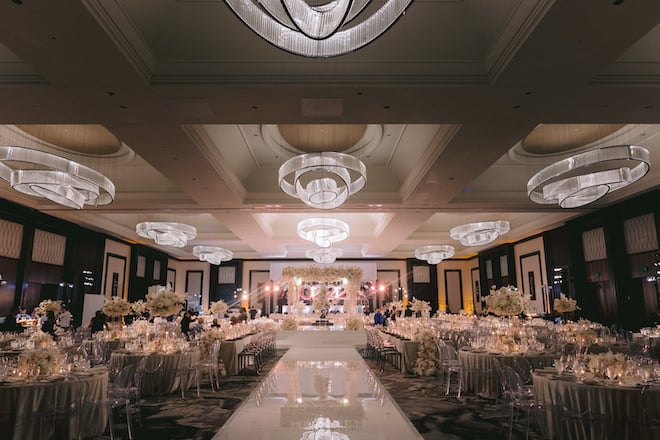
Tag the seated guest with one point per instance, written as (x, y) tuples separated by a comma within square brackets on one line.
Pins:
[(185, 324), (98, 322), (48, 325), (64, 319), (408, 313), (11, 324), (23, 314)]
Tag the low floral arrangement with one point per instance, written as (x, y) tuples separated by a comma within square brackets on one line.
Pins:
[(506, 301), (321, 300), (165, 302), (426, 363), (42, 362), (41, 339), (585, 337), (289, 323), (141, 326), (116, 306), (207, 339), (563, 304), (607, 365), (48, 305), (299, 306), (419, 305), (354, 323), (139, 307), (219, 307)]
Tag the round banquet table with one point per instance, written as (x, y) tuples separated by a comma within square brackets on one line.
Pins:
[(480, 377), (616, 409), (25, 407), (166, 380)]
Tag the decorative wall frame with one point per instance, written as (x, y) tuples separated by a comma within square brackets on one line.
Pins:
[(115, 275)]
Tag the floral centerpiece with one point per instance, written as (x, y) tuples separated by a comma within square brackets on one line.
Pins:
[(607, 365), (41, 339), (219, 307), (419, 305), (289, 323), (207, 338), (116, 306), (563, 304), (165, 302), (354, 323), (42, 362), (426, 363), (138, 307), (506, 301), (48, 305), (299, 306), (321, 300)]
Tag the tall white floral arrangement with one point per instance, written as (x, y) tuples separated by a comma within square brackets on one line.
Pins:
[(116, 306), (506, 301), (419, 305), (138, 307), (219, 307), (563, 304), (165, 301), (48, 305), (289, 323), (354, 323)]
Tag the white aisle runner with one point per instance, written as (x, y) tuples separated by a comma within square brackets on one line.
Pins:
[(319, 393)]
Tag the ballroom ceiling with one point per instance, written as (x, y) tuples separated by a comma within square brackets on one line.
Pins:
[(452, 110)]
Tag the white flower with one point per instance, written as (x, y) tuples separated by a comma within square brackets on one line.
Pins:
[(506, 301), (425, 365), (116, 306), (419, 305), (165, 302), (354, 323), (321, 300), (139, 307), (289, 323), (219, 307), (564, 304), (48, 305)]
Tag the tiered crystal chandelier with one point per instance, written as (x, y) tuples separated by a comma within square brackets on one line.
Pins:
[(323, 180), (586, 177), (55, 178), (323, 231), (434, 254), (212, 254), (478, 234), (322, 29), (324, 255), (167, 234)]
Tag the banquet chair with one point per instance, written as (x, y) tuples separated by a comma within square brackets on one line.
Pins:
[(386, 351), (148, 373), (58, 417), (250, 355), (449, 363), (523, 368), (189, 369), (583, 423), (521, 399), (211, 364)]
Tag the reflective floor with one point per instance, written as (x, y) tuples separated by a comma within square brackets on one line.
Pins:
[(319, 393)]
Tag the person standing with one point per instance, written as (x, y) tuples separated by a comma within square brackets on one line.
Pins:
[(64, 320), (98, 322), (185, 324), (379, 319), (11, 322), (49, 324)]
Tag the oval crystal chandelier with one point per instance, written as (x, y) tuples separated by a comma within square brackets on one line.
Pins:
[(323, 29), (167, 234), (55, 178), (586, 177), (323, 180), (434, 254), (324, 255), (323, 231), (478, 234), (212, 254)]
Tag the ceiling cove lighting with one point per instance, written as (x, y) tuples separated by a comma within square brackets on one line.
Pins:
[(55, 178), (434, 254), (324, 255), (323, 180), (586, 177), (323, 231), (212, 254), (478, 234), (167, 234), (323, 29)]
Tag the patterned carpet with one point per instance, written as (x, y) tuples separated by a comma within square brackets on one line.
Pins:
[(435, 415)]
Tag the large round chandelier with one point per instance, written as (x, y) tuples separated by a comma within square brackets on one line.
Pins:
[(478, 234), (212, 254), (434, 254), (323, 29), (324, 255), (55, 178), (323, 231), (586, 177), (166, 234), (323, 180)]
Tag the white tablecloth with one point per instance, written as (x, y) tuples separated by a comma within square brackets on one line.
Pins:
[(619, 407), (25, 407), (479, 376)]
